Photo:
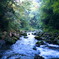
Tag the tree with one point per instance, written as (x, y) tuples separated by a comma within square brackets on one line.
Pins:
[(50, 14)]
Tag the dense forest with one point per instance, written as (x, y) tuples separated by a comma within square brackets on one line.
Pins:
[(28, 15), (17, 17)]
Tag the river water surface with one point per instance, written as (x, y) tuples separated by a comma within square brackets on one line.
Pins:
[(23, 49)]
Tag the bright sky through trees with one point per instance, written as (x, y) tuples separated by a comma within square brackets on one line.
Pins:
[(34, 6)]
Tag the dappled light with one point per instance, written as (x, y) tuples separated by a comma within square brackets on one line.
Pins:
[(29, 29)]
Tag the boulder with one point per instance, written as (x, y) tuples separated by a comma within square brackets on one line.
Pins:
[(58, 42), (39, 43), (23, 34), (38, 38), (10, 40), (2, 42), (38, 57), (34, 48), (33, 33), (25, 37)]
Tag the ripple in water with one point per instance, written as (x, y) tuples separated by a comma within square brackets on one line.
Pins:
[(23, 49)]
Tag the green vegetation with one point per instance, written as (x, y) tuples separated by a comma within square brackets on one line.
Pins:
[(27, 15), (21, 15), (50, 14)]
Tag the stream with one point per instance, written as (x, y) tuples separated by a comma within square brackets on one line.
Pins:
[(23, 49)]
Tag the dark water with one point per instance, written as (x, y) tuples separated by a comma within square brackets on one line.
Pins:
[(23, 49)]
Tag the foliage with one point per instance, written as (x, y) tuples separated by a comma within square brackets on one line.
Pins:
[(12, 15), (6, 14), (50, 13), (29, 15)]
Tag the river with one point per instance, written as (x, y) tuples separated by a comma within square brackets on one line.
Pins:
[(23, 49)]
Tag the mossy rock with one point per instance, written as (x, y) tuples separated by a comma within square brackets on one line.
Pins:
[(33, 33), (52, 38), (24, 34), (57, 37), (38, 57), (25, 37), (1, 34), (15, 37), (10, 40), (34, 48), (58, 42), (38, 38), (39, 43)]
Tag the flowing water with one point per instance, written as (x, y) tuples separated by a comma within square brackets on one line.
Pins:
[(23, 49)]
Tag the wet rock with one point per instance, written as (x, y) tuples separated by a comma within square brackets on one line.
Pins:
[(10, 40), (38, 57), (39, 34), (34, 48), (39, 43), (15, 38), (25, 37), (57, 37), (24, 34), (1, 35), (2, 42), (1, 52), (18, 58), (51, 40), (14, 55), (38, 38), (33, 33), (58, 42)]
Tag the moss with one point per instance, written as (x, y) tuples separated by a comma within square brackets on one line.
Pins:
[(58, 42), (52, 38), (10, 40), (38, 57), (25, 37), (15, 37), (51, 30), (34, 33), (24, 34), (38, 38), (39, 43)]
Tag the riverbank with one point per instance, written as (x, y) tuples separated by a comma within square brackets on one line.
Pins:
[(11, 37), (7, 39), (34, 41), (50, 37), (32, 45)]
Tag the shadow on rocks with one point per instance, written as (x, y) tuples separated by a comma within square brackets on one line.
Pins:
[(38, 57)]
